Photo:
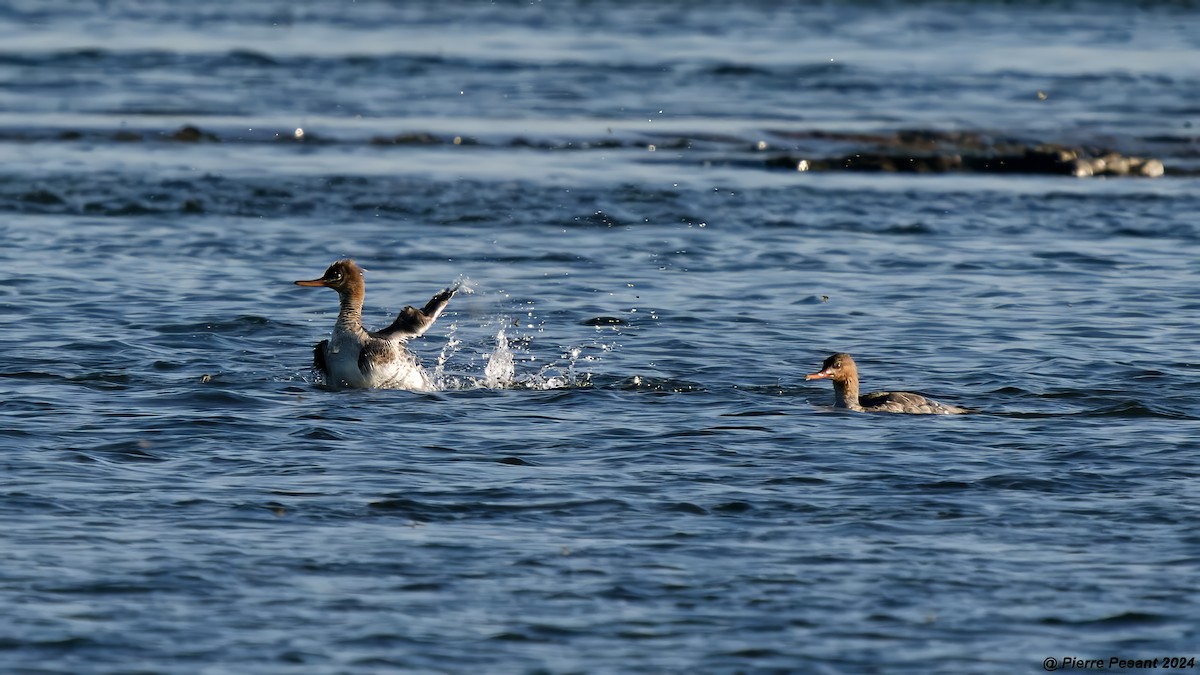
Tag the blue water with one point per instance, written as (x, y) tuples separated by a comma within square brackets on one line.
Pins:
[(623, 470)]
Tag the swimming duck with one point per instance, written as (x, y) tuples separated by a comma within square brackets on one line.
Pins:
[(359, 359), (843, 372)]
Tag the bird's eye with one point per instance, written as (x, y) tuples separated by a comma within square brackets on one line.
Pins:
[(837, 364), (337, 277)]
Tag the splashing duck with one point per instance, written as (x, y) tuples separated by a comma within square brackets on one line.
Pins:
[(843, 372), (358, 359)]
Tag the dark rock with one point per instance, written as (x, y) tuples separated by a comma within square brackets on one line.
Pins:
[(407, 139), (935, 152), (191, 134)]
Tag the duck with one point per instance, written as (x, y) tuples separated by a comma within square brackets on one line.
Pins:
[(843, 372), (355, 358)]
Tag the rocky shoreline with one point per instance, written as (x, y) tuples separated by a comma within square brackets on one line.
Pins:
[(1040, 159), (914, 151)]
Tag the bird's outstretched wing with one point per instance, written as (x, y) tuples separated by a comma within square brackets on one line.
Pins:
[(413, 322), (319, 357)]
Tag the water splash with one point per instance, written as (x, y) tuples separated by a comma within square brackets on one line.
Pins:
[(500, 368), (566, 371), (508, 362), (448, 350), (463, 284)]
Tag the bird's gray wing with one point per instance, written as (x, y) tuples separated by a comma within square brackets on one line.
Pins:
[(413, 322)]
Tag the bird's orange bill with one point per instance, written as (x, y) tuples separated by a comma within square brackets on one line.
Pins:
[(313, 282), (815, 376)]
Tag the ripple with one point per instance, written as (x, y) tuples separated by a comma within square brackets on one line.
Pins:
[(1116, 620)]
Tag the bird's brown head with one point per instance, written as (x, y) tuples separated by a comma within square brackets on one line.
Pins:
[(342, 276), (838, 367)]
